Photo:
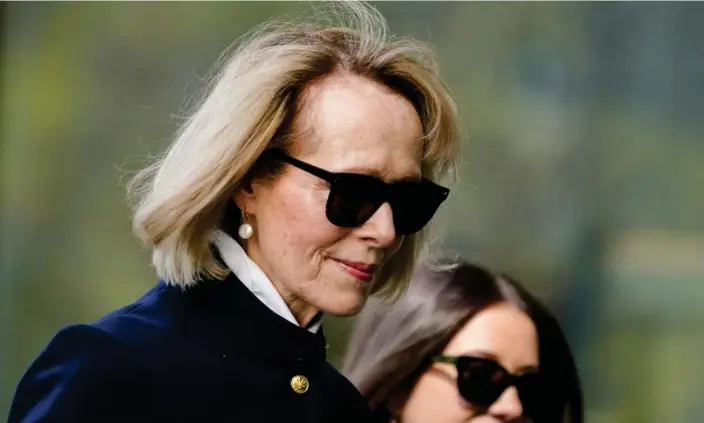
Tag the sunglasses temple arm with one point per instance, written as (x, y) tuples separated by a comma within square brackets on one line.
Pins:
[(444, 359), (313, 170)]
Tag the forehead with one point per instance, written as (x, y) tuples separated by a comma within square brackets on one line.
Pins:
[(502, 332), (354, 124)]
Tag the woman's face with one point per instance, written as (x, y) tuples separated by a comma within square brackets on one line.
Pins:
[(502, 333), (348, 124)]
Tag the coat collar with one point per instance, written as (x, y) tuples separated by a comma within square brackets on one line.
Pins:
[(254, 279)]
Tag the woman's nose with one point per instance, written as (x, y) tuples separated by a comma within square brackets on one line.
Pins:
[(380, 227), (508, 407)]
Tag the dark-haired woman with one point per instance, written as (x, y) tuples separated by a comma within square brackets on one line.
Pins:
[(464, 345)]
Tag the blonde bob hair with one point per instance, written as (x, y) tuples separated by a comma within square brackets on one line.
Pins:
[(248, 107)]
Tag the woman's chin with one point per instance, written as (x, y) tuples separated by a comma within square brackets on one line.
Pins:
[(345, 304)]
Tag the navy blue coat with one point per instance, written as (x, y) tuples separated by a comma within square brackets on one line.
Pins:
[(207, 354)]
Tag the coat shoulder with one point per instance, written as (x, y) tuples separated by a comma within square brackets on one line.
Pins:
[(80, 362), (95, 364)]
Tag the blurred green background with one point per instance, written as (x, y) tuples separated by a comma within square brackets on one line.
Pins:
[(583, 175)]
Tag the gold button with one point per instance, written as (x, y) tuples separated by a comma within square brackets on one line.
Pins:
[(299, 384)]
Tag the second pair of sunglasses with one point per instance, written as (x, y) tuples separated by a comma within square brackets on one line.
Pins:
[(354, 197), (481, 381)]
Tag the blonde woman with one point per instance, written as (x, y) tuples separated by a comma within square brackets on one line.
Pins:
[(300, 185)]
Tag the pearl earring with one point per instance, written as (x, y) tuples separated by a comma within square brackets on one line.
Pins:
[(245, 231)]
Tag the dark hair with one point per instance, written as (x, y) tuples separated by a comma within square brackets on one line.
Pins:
[(392, 343)]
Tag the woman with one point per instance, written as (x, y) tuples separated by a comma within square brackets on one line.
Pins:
[(299, 186), (464, 345)]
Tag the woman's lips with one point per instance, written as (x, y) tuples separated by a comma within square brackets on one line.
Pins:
[(359, 270)]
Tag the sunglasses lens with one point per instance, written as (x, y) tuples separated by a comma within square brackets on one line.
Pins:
[(480, 382), (414, 204), (353, 200), (530, 391)]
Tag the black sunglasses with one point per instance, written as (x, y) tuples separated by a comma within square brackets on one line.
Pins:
[(481, 381), (354, 197)]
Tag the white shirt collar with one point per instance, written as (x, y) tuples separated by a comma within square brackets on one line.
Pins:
[(252, 276)]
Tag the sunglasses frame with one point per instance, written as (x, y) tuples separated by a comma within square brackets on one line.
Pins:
[(508, 380), (334, 177)]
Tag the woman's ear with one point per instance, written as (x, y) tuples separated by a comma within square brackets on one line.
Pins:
[(245, 198)]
